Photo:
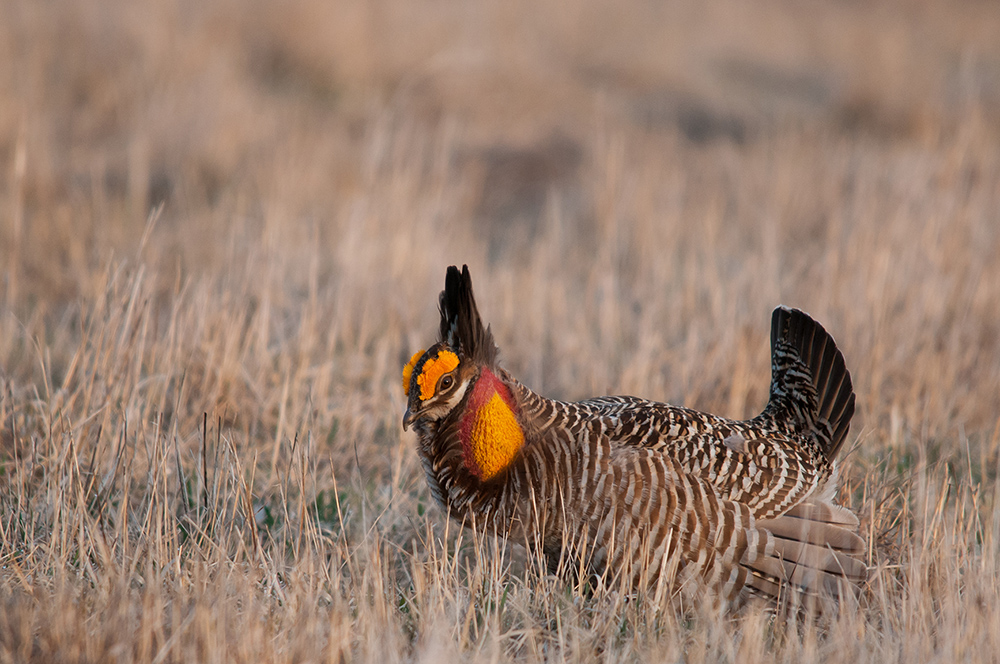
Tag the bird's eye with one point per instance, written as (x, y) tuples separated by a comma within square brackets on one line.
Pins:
[(446, 383)]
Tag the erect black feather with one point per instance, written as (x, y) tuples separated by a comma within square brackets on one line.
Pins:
[(810, 383), (461, 326)]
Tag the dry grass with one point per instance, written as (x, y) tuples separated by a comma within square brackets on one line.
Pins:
[(223, 228)]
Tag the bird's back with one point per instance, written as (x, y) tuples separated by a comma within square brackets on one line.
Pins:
[(638, 492)]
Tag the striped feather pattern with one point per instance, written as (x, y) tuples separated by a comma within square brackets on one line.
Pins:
[(640, 493)]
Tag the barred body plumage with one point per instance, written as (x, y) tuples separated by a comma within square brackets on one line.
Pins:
[(637, 492)]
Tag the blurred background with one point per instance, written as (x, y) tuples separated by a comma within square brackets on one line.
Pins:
[(635, 185), (229, 112)]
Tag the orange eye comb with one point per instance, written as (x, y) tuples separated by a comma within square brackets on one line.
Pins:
[(408, 371), (434, 368)]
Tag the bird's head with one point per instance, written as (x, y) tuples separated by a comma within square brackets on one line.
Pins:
[(436, 380), (459, 374)]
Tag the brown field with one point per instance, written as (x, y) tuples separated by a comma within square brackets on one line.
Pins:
[(224, 225)]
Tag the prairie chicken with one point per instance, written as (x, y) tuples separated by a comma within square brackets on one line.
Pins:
[(639, 492)]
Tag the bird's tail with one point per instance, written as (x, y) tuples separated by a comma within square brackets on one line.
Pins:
[(811, 389)]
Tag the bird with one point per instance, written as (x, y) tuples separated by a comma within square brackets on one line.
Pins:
[(646, 495)]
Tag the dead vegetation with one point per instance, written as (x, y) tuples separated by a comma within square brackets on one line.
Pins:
[(223, 228)]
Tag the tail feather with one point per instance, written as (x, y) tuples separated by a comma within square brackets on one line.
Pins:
[(816, 553), (461, 327), (813, 547), (825, 513), (830, 535), (811, 388)]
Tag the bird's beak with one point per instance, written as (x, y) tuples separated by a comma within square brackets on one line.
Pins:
[(408, 418)]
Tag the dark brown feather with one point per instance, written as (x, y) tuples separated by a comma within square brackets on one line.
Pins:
[(810, 386), (461, 326)]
